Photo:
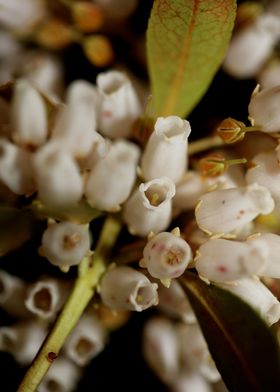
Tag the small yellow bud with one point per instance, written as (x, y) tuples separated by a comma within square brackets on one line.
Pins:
[(231, 130), (87, 17), (54, 34), (98, 50)]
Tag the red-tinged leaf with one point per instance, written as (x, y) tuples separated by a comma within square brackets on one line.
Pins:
[(186, 43), (244, 349)]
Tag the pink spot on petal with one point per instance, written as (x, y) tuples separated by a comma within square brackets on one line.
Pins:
[(107, 114), (222, 268)]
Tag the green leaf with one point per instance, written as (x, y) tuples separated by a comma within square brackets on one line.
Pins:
[(186, 43), (244, 349)]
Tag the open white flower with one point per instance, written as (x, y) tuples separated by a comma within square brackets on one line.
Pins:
[(166, 151)]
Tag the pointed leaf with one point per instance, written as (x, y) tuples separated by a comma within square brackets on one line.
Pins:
[(186, 40), (243, 347)]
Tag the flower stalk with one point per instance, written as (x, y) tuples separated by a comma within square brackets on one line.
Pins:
[(90, 271)]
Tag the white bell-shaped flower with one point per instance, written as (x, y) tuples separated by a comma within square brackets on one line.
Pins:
[(28, 115), (65, 243), (58, 178), (161, 348), (99, 150), (190, 382), (264, 109), (251, 46), (174, 302), (272, 242), (120, 105), (111, 179), (86, 341), (256, 294), (149, 207), (166, 151), (16, 168), (194, 352), (266, 172), (221, 260), (222, 211), (166, 255), (45, 298), (75, 127), (63, 376), (124, 288), (22, 340)]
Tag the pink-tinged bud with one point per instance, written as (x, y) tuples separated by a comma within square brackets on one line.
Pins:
[(272, 242), (264, 109), (256, 294), (22, 340), (220, 260), (123, 288), (65, 243), (12, 294), (120, 105), (222, 211), (174, 302), (86, 341), (166, 151), (166, 256), (265, 171), (45, 298), (149, 207), (75, 127), (16, 168), (58, 176), (111, 179), (194, 352), (251, 46), (63, 376), (28, 115), (161, 348)]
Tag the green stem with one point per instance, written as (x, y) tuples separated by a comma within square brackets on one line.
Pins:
[(205, 144), (84, 288)]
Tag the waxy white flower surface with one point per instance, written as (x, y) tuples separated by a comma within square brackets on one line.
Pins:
[(222, 211), (124, 288), (166, 151), (149, 208)]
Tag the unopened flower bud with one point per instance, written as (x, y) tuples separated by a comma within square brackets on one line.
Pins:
[(45, 298), (161, 348), (120, 104), (222, 211), (174, 302), (125, 288), (12, 294), (86, 341), (221, 260), (149, 207), (230, 130), (217, 164), (65, 243), (22, 340), (98, 50), (190, 382), (111, 179), (166, 151), (251, 46), (16, 168), (256, 294), (58, 177), (263, 109), (54, 34), (63, 376), (28, 115), (166, 256), (117, 10), (87, 17)]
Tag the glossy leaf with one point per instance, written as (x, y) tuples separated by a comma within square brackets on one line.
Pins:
[(244, 349), (186, 43)]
